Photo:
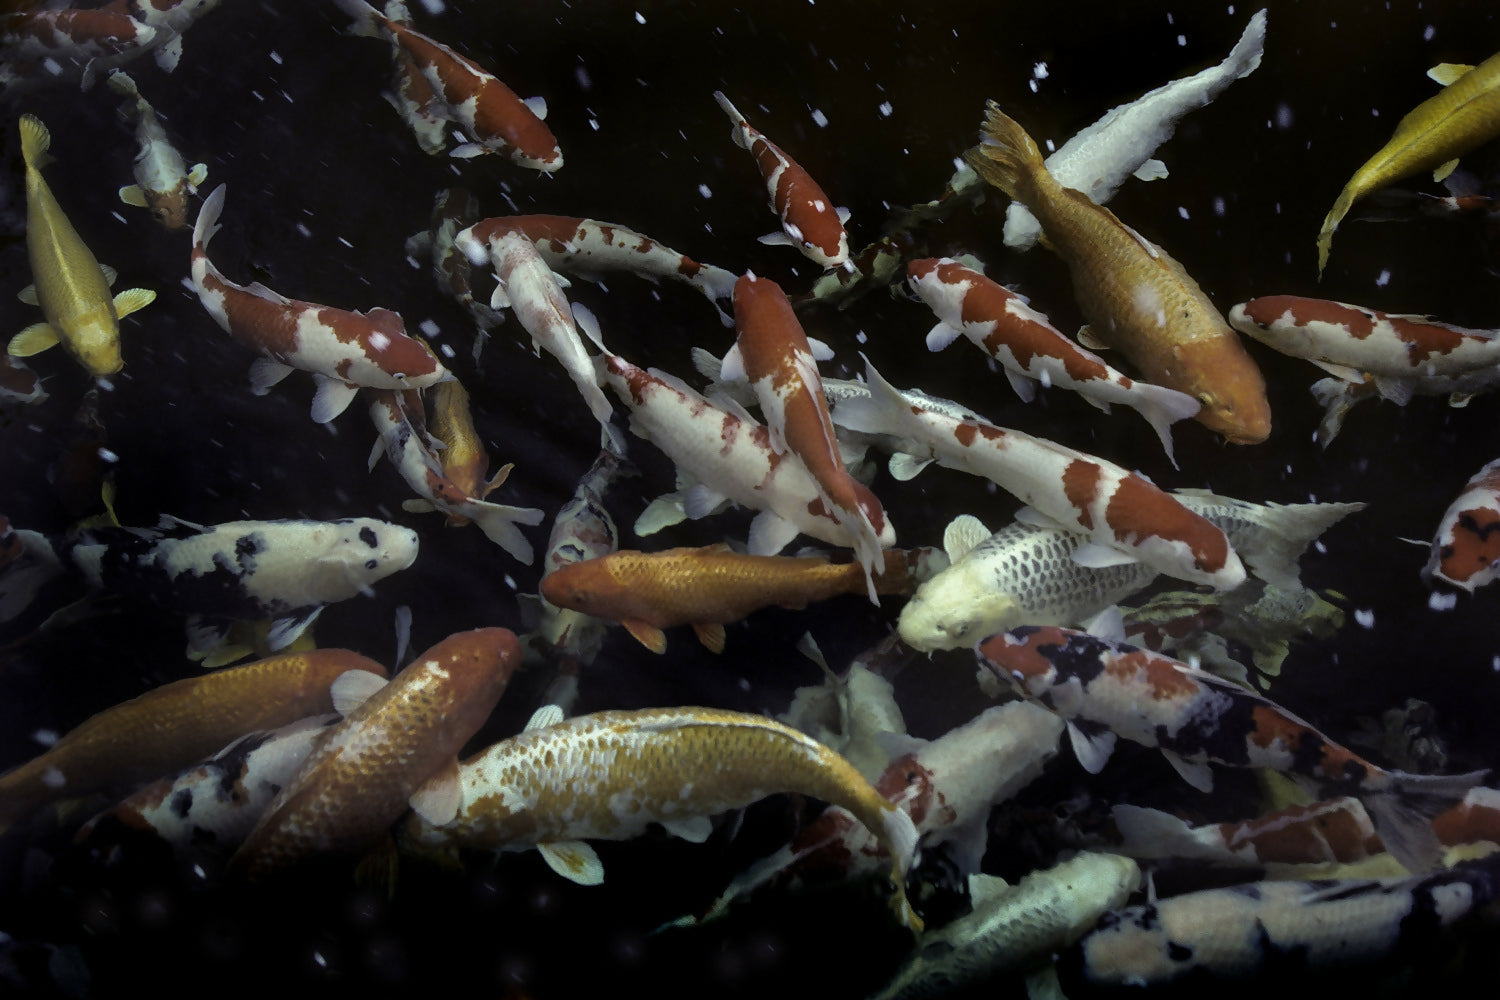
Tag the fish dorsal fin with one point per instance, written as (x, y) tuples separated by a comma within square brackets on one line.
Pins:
[(438, 799), (353, 688), (1448, 73), (573, 860), (963, 533), (1196, 773), (547, 715), (1146, 244), (693, 829), (1092, 751)]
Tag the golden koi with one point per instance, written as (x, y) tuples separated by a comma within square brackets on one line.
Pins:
[(1434, 134), (71, 286), (707, 587), (1133, 293), (177, 724), (465, 461), (610, 774)]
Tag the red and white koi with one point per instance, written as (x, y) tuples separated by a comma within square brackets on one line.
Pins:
[(1123, 514), (170, 18), (402, 427), (1030, 348), (809, 221), (400, 736), (1106, 690), (46, 46), (1329, 832), (343, 350), (162, 177), (486, 110), (606, 776), (1466, 548), (773, 352), (529, 288), (725, 455), (587, 246)]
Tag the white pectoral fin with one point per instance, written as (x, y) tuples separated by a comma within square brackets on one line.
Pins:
[(265, 373), (779, 238), (547, 715), (663, 512), (963, 533), (1092, 751), (1089, 339), (770, 533), (284, 631), (498, 298), (167, 56), (820, 350), (1025, 387), (573, 860), (438, 799), (132, 194), (941, 335), (537, 106), (701, 501), (732, 368), (693, 829), (1108, 624), (1151, 170), (332, 398), (352, 688), (197, 175), (1096, 556), (467, 151), (904, 466), (1196, 773)]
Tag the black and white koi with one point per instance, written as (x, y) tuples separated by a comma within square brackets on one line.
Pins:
[(343, 350), (163, 179), (1107, 690)]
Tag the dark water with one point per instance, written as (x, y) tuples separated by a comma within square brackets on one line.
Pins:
[(324, 185)]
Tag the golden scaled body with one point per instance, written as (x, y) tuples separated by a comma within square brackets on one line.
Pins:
[(1137, 299), (465, 461), (706, 587), (69, 284), (177, 725), (1461, 117)]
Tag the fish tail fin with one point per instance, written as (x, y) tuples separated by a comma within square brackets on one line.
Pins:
[(35, 141), (1246, 54), (366, 18), (1006, 156), (208, 218), (717, 285), (498, 522), (1163, 407), (1331, 222), (1403, 811)]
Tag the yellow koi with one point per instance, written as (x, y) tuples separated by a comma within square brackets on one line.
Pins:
[(1432, 136), (71, 287), (465, 461), (1132, 292)]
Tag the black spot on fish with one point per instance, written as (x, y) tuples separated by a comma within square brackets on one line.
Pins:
[(1179, 952), (247, 548), (1081, 655), (181, 803), (371, 563), (367, 535)]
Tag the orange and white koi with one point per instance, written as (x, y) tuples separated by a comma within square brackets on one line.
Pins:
[(707, 588), (587, 246), (1466, 548), (1434, 134), (343, 350), (486, 110), (725, 455), (175, 725), (606, 776), (1135, 296), (773, 352), (1328, 832), (1030, 348), (162, 177), (401, 424), (1124, 515), (1106, 690), (44, 46), (809, 220), (360, 778)]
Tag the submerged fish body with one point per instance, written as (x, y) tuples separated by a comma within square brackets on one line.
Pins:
[(1466, 547), (175, 725), (1136, 297), (1459, 118), (608, 775), (163, 179), (358, 780)]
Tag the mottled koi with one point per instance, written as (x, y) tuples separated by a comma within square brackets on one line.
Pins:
[(163, 179), (1466, 548)]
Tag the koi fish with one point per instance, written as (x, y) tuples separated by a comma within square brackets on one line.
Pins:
[(1015, 928), (1475, 819), (1329, 832), (71, 287), (170, 18), (398, 737), (722, 455), (705, 587), (175, 725), (809, 221), (1134, 295), (486, 110), (606, 776), (1030, 348), (454, 210), (465, 461), (343, 350), (162, 177), (529, 288), (403, 437), (1099, 159), (1123, 514), (772, 351), (18, 383), (1236, 933), (1110, 690), (1466, 548), (76, 43), (1434, 134), (587, 247), (853, 711)]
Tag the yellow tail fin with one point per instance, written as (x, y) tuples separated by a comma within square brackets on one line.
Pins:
[(1335, 216), (1006, 155), (35, 140)]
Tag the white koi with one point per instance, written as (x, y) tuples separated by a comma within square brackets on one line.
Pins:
[(162, 177)]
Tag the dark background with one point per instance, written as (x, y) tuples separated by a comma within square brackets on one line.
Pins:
[(325, 183)]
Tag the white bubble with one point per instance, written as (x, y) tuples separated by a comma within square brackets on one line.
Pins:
[(819, 119), (1365, 617), (885, 109), (704, 191), (1383, 278)]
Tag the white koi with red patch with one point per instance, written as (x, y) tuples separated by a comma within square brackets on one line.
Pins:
[(1029, 347), (587, 246), (1466, 548), (40, 47), (489, 112), (809, 221), (728, 456), (399, 421), (1106, 690), (772, 351), (1123, 514), (343, 350), (162, 177), (170, 18), (1330, 832)]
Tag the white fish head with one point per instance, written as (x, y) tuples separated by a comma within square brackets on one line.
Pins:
[(951, 611), (356, 552)]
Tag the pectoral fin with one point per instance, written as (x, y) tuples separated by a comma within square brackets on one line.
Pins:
[(438, 799), (132, 194), (352, 688), (1092, 751), (35, 339), (28, 295), (1196, 773), (133, 299), (693, 829), (1448, 73), (649, 636), (1443, 170), (711, 635), (573, 860)]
